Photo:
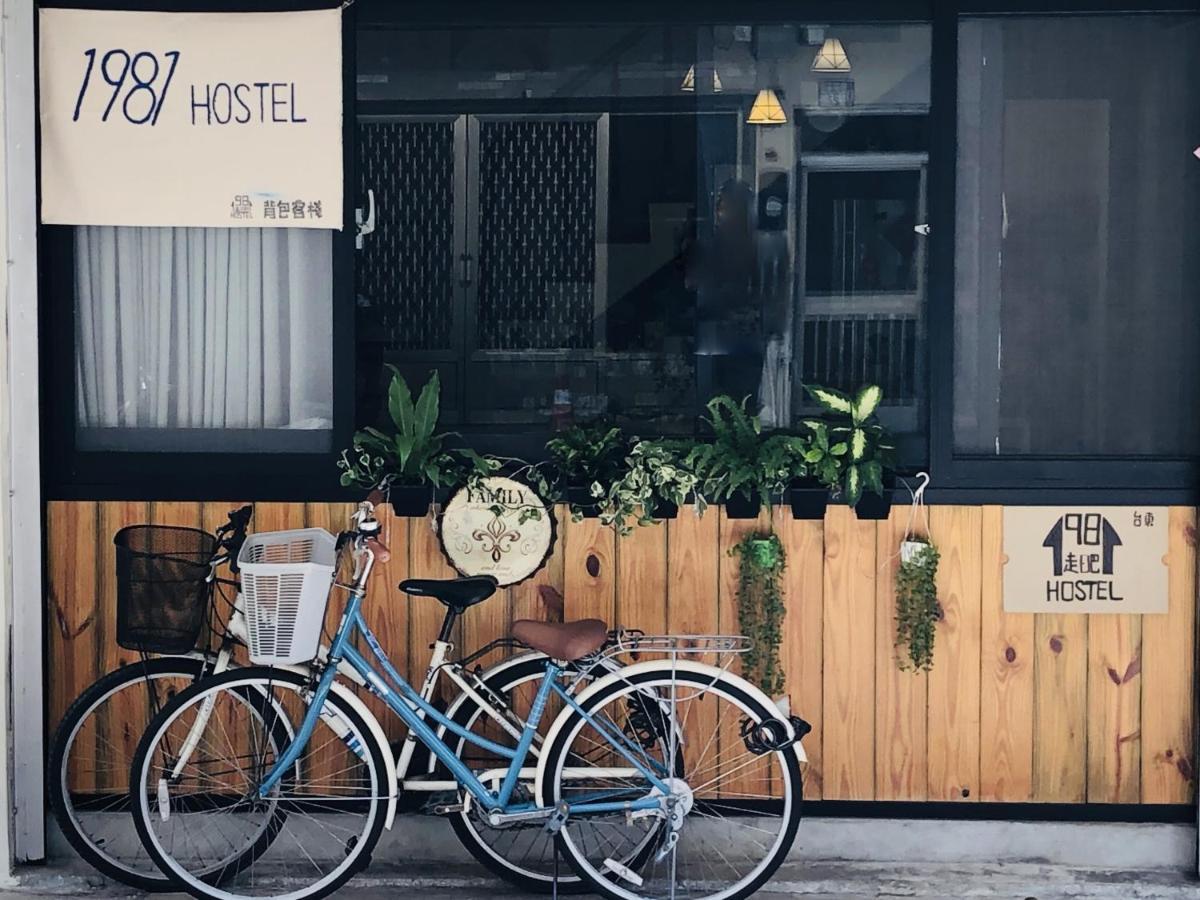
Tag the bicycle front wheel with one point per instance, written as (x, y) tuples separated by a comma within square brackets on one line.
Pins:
[(197, 802), (734, 803), (88, 769)]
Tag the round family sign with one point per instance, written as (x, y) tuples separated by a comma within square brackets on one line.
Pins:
[(497, 527)]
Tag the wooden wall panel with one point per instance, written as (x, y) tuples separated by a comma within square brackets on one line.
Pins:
[(1168, 677), (848, 643), (1114, 709), (641, 599), (1017, 708), (73, 610), (901, 760), (1060, 709), (802, 634), (1006, 680), (590, 576), (954, 680), (541, 597)]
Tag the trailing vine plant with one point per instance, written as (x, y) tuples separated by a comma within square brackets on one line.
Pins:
[(761, 608), (917, 606)]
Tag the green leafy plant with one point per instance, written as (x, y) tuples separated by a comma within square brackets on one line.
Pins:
[(849, 450), (589, 457), (761, 562), (740, 459), (917, 607), (414, 453), (655, 473)]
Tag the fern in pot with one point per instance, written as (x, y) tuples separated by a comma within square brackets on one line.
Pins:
[(739, 465), (411, 463), (583, 462)]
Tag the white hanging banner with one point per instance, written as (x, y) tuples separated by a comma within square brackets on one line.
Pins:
[(201, 119)]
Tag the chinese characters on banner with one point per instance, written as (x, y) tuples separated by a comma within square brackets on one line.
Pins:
[(1085, 559), (191, 119)]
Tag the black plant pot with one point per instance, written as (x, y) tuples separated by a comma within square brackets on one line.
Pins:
[(739, 506), (808, 502), (875, 506), (410, 502), (581, 498), (665, 509)]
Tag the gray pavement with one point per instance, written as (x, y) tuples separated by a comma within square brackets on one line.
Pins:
[(796, 881)]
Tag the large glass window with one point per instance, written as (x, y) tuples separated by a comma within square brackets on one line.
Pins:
[(626, 220), (1078, 276), (203, 339)]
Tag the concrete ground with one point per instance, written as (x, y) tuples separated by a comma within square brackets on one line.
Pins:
[(795, 881), (834, 859)]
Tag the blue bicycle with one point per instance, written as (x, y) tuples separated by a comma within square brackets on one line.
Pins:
[(665, 777)]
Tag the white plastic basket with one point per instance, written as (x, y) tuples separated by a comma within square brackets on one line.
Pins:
[(286, 577)]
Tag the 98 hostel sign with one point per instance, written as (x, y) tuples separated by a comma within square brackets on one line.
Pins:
[(192, 119), (1110, 559)]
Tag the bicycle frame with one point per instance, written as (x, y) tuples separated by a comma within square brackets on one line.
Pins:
[(416, 712)]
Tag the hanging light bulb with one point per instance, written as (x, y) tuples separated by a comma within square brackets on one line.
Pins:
[(767, 110), (831, 57)]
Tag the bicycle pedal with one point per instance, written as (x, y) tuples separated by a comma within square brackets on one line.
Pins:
[(446, 809)]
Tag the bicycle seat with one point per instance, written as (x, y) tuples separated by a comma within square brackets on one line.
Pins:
[(567, 640), (456, 593)]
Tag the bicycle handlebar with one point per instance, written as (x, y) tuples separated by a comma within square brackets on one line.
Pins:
[(232, 534)]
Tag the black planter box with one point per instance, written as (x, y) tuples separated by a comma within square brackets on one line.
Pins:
[(739, 506), (412, 502), (581, 498), (808, 502), (875, 506), (665, 509)]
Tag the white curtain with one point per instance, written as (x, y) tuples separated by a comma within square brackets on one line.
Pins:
[(209, 328)]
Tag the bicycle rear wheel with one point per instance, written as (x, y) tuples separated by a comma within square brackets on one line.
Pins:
[(737, 801), (200, 813), (88, 768)]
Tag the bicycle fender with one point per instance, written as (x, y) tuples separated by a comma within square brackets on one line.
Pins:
[(653, 665)]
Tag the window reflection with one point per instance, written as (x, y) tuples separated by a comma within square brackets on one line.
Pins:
[(580, 221)]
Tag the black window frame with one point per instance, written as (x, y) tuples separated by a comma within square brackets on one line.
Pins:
[(71, 473)]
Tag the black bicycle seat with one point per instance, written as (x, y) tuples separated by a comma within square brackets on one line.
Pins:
[(456, 593)]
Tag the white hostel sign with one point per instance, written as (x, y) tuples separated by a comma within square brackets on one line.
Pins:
[(1110, 559), (195, 119)]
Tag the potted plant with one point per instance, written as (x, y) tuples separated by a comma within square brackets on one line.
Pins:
[(584, 461), (741, 467), (411, 464), (655, 483), (917, 606), (850, 451)]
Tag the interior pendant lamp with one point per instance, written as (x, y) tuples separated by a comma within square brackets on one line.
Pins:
[(689, 81), (831, 57), (767, 110)]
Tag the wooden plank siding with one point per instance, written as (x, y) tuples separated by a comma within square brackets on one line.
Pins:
[(1017, 708)]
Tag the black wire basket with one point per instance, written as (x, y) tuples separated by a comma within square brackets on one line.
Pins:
[(162, 586)]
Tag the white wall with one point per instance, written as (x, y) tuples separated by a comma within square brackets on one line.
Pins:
[(21, 672)]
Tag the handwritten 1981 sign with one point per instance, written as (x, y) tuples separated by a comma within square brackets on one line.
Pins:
[(202, 119), (1085, 559)]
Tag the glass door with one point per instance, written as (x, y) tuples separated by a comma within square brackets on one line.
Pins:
[(862, 277)]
